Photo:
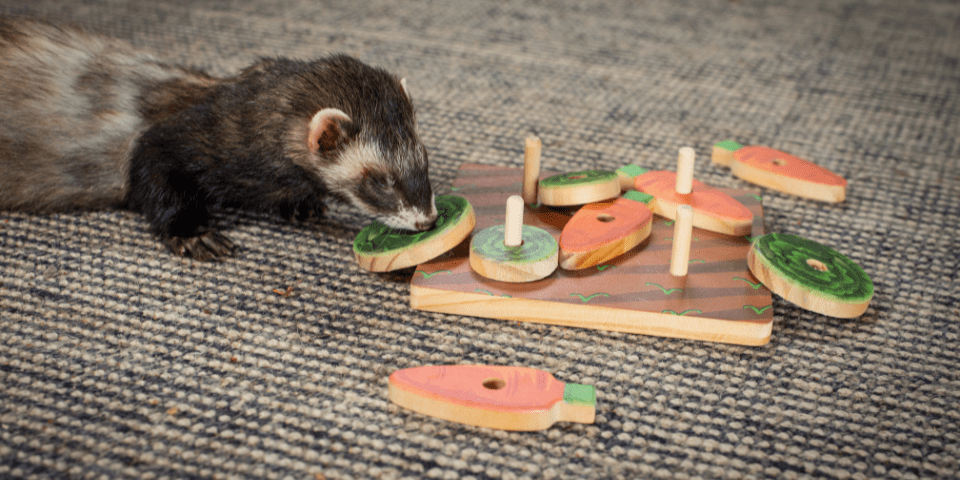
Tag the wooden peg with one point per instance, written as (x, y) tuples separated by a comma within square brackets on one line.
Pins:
[(604, 230), (685, 161), (531, 169), (505, 398), (513, 222), (780, 171), (682, 237), (380, 248)]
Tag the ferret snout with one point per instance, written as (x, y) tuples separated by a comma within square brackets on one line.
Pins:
[(427, 224)]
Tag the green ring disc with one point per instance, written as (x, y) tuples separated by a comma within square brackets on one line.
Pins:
[(378, 238), (537, 245), (796, 258), (578, 179)]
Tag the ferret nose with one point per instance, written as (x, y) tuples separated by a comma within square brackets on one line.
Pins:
[(425, 225)]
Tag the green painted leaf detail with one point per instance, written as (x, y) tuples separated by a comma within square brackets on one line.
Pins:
[(604, 267), (754, 285), (664, 289), (488, 292), (428, 275), (682, 313), (586, 299), (756, 310)]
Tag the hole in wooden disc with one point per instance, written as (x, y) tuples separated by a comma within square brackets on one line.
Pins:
[(779, 162), (603, 217), (576, 177), (494, 383), (817, 265)]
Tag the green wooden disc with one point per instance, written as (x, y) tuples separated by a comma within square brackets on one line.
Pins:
[(578, 179), (814, 267), (537, 245), (377, 238)]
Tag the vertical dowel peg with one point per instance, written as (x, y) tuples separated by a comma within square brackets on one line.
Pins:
[(513, 223), (531, 169), (685, 171), (682, 236)]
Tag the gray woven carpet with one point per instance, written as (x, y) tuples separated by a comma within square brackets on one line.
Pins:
[(119, 360)]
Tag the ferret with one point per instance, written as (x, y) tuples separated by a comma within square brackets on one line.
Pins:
[(88, 122)]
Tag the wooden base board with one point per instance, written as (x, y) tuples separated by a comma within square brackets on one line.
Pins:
[(719, 300)]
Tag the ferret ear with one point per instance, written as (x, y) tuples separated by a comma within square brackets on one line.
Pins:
[(403, 83), (328, 128)]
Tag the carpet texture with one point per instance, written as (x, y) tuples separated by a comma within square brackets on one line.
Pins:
[(119, 360)]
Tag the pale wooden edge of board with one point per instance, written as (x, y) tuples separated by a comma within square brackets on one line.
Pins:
[(794, 186), (420, 252), (591, 316)]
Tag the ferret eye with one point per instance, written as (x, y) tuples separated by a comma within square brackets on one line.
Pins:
[(378, 183)]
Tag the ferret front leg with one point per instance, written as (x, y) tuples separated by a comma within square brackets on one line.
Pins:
[(176, 208), (184, 227)]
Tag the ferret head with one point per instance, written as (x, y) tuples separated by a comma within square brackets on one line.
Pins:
[(366, 149)]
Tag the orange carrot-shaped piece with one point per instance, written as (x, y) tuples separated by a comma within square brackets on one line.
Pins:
[(780, 171), (505, 398), (604, 230), (713, 210)]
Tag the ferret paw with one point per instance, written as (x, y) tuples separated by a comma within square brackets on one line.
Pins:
[(303, 212), (207, 246)]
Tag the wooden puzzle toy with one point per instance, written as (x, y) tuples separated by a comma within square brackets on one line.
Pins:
[(812, 276), (513, 252), (604, 230), (379, 248), (713, 209), (579, 188), (505, 398), (719, 300), (531, 169), (682, 236), (780, 171)]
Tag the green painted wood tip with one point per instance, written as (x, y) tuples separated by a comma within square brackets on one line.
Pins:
[(637, 196), (577, 394), (729, 145), (631, 170)]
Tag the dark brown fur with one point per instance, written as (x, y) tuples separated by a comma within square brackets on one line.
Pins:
[(87, 122)]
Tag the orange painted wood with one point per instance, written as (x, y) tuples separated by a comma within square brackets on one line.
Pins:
[(780, 171), (787, 173), (506, 398), (604, 230), (713, 210)]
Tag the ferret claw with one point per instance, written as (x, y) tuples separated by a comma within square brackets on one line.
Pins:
[(207, 246)]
